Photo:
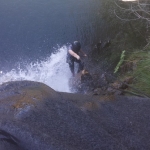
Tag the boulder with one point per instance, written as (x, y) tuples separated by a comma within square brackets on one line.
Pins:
[(33, 116)]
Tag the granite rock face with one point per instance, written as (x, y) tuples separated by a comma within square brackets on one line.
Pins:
[(35, 117)]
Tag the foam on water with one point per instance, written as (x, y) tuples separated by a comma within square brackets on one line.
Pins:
[(54, 72)]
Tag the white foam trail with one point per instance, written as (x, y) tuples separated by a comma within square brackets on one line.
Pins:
[(54, 72)]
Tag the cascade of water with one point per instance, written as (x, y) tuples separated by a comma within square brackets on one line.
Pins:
[(53, 71)]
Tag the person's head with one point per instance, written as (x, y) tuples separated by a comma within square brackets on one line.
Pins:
[(76, 46)]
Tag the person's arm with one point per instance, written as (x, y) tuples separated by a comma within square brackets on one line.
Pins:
[(82, 52), (74, 54)]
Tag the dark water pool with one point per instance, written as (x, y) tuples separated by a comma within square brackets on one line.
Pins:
[(30, 29)]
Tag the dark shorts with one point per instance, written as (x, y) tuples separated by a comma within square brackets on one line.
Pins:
[(71, 60)]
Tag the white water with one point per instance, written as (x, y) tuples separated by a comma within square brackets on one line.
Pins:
[(54, 72)]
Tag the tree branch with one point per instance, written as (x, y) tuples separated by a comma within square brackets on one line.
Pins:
[(135, 9), (124, 19)]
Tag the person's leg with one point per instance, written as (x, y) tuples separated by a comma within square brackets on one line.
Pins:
[(80, 65), (71, 66)]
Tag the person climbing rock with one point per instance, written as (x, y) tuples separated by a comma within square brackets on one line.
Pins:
[(73, 55)]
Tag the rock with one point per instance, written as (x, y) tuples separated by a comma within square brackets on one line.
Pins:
[(118, 92), (42, 119), (82, 82), (129, 66), (98, 45), (102, 45), (110, 90), (128, 80), (85, 76), (106, 44), (86, 81), (99, 91), (119, 85), (7, 141), (35, 117), (122, 85)]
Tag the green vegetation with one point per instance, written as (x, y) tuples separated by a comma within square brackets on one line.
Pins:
[(120, 62), (123, 25), (138, 66), (128, 27)]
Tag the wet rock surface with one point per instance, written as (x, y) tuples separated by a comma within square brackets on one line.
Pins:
[(35, 117)]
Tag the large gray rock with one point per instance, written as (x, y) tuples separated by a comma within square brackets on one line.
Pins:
[(35, 117)]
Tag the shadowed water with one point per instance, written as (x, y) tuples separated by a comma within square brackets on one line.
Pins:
[(33, 33)]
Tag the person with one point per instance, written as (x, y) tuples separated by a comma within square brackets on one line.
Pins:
[(73, 55)]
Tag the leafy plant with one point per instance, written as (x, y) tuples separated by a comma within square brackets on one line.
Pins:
[(120, 62), (142, 73)]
